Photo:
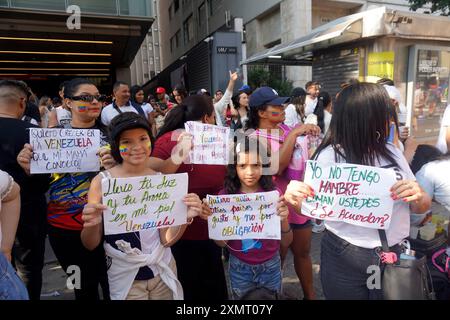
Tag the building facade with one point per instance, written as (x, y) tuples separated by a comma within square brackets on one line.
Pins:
[(266, 23)]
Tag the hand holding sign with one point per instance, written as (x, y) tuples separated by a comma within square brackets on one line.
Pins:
[(24, 157), (92, 214), (407, 191), (296, 192)]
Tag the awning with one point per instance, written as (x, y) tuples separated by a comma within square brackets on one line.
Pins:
[(300, 51)]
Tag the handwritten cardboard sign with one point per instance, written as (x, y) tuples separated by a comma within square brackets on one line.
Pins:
[(244, 216), (64, 150), (141, 203), (354, 194), (211, 143)]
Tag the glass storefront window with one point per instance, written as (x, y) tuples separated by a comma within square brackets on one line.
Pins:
[(42, 4), (430, 94)]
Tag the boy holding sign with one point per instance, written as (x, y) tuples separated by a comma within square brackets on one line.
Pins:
[(142, 265), (247, 255)]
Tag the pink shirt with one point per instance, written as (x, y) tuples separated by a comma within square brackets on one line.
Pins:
[(281, 181)]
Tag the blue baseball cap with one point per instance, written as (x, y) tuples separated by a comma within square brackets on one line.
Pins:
[(245, 88), (266, 96)]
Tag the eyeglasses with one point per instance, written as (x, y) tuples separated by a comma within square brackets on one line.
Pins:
[(88, 98)]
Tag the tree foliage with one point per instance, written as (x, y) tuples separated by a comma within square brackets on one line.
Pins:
[(442, 6), (260, 76)]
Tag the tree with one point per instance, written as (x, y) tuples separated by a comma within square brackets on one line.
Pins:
[(436, 5), (260, 76)]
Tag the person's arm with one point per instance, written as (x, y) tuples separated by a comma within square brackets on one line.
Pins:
[(171, 235), (179, 154), (296, 192), (220, 106), (52, 119), (287, 148), (411, 192), (92, 233), (9, 218), (410, 149), (447, 138)]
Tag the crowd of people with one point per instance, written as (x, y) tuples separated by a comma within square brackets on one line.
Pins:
[(362, 125)]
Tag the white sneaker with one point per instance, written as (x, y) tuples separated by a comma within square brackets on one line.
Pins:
[(318, 227)]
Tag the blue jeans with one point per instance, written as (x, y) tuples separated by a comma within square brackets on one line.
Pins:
[(11, 286), (246, 277)]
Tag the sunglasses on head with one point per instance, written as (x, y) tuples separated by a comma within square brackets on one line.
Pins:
[(89, 98)]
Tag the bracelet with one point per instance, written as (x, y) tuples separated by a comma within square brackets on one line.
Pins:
[(190, 220), (288, 230)]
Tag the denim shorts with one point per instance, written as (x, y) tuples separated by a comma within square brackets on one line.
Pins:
[(11, 286), (246, 277), (296, 226)]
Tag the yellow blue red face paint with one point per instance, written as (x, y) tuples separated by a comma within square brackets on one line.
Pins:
[(82, 108), (123, 149)]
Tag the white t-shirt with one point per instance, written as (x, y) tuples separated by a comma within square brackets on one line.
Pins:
[(445, 123), (147, 107), (109, 113), (369, 238), (63, 116), (434, 178), (6, 184), (310, 105), (326, 121), (292, 116)]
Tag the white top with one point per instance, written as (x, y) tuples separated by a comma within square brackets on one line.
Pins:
[(369, 238), (445, 123), (220, 106), (147, 107), (310, 105), (6, 185), (109, 113), (434, 178), (63, 116), (292, 116), (326, 121)]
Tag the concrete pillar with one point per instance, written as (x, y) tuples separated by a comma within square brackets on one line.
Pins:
[(296, 21), (123, 74)]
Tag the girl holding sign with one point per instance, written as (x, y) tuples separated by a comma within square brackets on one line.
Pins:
[(358, 133), (142, 265), (254, 263), (266, 116)]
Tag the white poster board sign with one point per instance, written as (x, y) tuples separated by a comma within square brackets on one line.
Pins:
[(244, 216), (350, 193), (64, 150), (141, 203)]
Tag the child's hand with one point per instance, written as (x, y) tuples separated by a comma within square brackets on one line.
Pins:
[(92, 214), (282, 208), (24, 157), (206, 210), (297, 191), (106, 159), (194, 205)]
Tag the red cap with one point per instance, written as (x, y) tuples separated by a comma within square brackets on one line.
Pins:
[(160, 90)]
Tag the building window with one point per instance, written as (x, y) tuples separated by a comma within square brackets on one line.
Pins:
[(188, 29), (176, 5), (214, 5), (184, 3), (172, 43), (201, 14), (177, 38), (170, 12)]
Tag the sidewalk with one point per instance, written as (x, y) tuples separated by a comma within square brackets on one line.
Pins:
[(54, 278)]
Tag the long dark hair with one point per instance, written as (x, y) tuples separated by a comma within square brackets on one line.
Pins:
[(133, 91), (424, 154), (193, 108), (253, 117), (359, 126), (322, 102), (232, 184)]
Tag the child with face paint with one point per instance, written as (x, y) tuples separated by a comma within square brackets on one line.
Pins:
[(151, 274), (266, 116)]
